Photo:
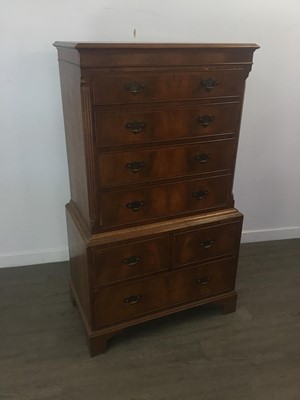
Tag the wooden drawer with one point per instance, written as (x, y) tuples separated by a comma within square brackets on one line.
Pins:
[(165, 85), (132, 260), (125, 167), (205, 243), (194, 283), (133, 126), (117, 303), (164, 201)]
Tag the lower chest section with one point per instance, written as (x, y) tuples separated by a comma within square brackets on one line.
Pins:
[(146, 276)]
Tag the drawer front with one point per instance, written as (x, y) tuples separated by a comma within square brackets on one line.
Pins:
[(210, 279), (146, 86), (132, 260), (117, 303), (142, 205), (121, 127), (114, 304), (161, 163), (202, 244)]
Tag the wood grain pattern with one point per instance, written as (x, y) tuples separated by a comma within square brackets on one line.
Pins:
[(130, 261), (202, 244), (168, 123), (110, 88), (165, 201), (130, 300), (139, 166), (73, 119)]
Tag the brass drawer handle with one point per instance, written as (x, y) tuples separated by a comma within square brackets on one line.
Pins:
[(132, 299), (135, 126), (209, 84), (206, 244), (200, 194), (205, 120), (131, 261), (135, 166), (135, 205), (134, 87), (203, 158), (203, 280)]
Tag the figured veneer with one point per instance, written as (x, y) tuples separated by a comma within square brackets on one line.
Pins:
[(146, 165), (138, 87), (134, 207), (136, 125), (202, 244), (130, 261)]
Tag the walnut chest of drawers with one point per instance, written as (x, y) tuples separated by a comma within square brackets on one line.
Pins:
[(152, 133)]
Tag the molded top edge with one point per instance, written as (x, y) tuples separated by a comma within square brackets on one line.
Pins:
[(145, 45)]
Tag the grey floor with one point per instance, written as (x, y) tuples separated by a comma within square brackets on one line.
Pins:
[(198, 354)]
